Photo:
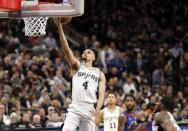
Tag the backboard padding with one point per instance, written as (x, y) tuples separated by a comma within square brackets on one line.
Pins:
[(52, 9)]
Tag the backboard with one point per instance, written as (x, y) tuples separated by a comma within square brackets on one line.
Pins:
[(44, 8)]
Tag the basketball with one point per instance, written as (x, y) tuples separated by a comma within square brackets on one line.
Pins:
[(66, 19)]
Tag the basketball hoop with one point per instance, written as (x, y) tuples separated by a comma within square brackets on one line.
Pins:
[(35, 26)]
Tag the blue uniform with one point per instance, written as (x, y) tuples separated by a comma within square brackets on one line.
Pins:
[(130, 121), (149, 126)]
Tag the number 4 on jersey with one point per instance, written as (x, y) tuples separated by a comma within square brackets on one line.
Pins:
[(85, 85)]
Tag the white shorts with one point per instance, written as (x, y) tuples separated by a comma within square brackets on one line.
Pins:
[(81, 119)]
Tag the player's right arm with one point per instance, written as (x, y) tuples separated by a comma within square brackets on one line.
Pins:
[(99, 119), (71, 59), (121, 122), (164, 120)]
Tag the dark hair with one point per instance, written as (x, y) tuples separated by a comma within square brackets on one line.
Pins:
[(168, 103), (129, 95), (95, 52), (112, 92)]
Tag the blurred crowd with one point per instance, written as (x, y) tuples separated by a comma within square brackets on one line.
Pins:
[(142, 47)]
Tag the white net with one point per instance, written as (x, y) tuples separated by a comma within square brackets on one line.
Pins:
[(35, 26)]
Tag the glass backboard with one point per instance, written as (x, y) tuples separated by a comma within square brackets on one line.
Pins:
[(40, 8)]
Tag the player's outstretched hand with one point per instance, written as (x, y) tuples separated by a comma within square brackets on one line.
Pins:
[(57, 21), (62, 20)]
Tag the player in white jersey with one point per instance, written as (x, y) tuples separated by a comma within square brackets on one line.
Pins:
[(110, 114), (86, 81)]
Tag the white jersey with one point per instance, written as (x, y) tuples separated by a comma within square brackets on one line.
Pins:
[(174, 122), (111, 119), (84, 85)]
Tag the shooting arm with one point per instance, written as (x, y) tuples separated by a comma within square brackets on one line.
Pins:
[(71, 59)]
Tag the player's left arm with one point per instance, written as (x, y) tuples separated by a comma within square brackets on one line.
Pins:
[(99, 119), (102, 87)]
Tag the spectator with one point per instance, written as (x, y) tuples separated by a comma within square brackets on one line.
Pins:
[(85, 43), (4, 118), (129, 86), (56, 104), (62, 116), (50, 41), (25, 121), (157, 77), (45, 101), (36, 122), (1, 119), (139, 63), (43, 117), (184, 115), (14, 119), (53, 120)]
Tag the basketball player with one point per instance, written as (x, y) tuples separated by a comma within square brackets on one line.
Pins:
[(163, 120), (110, 114), (86, 81), (128, 117)]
